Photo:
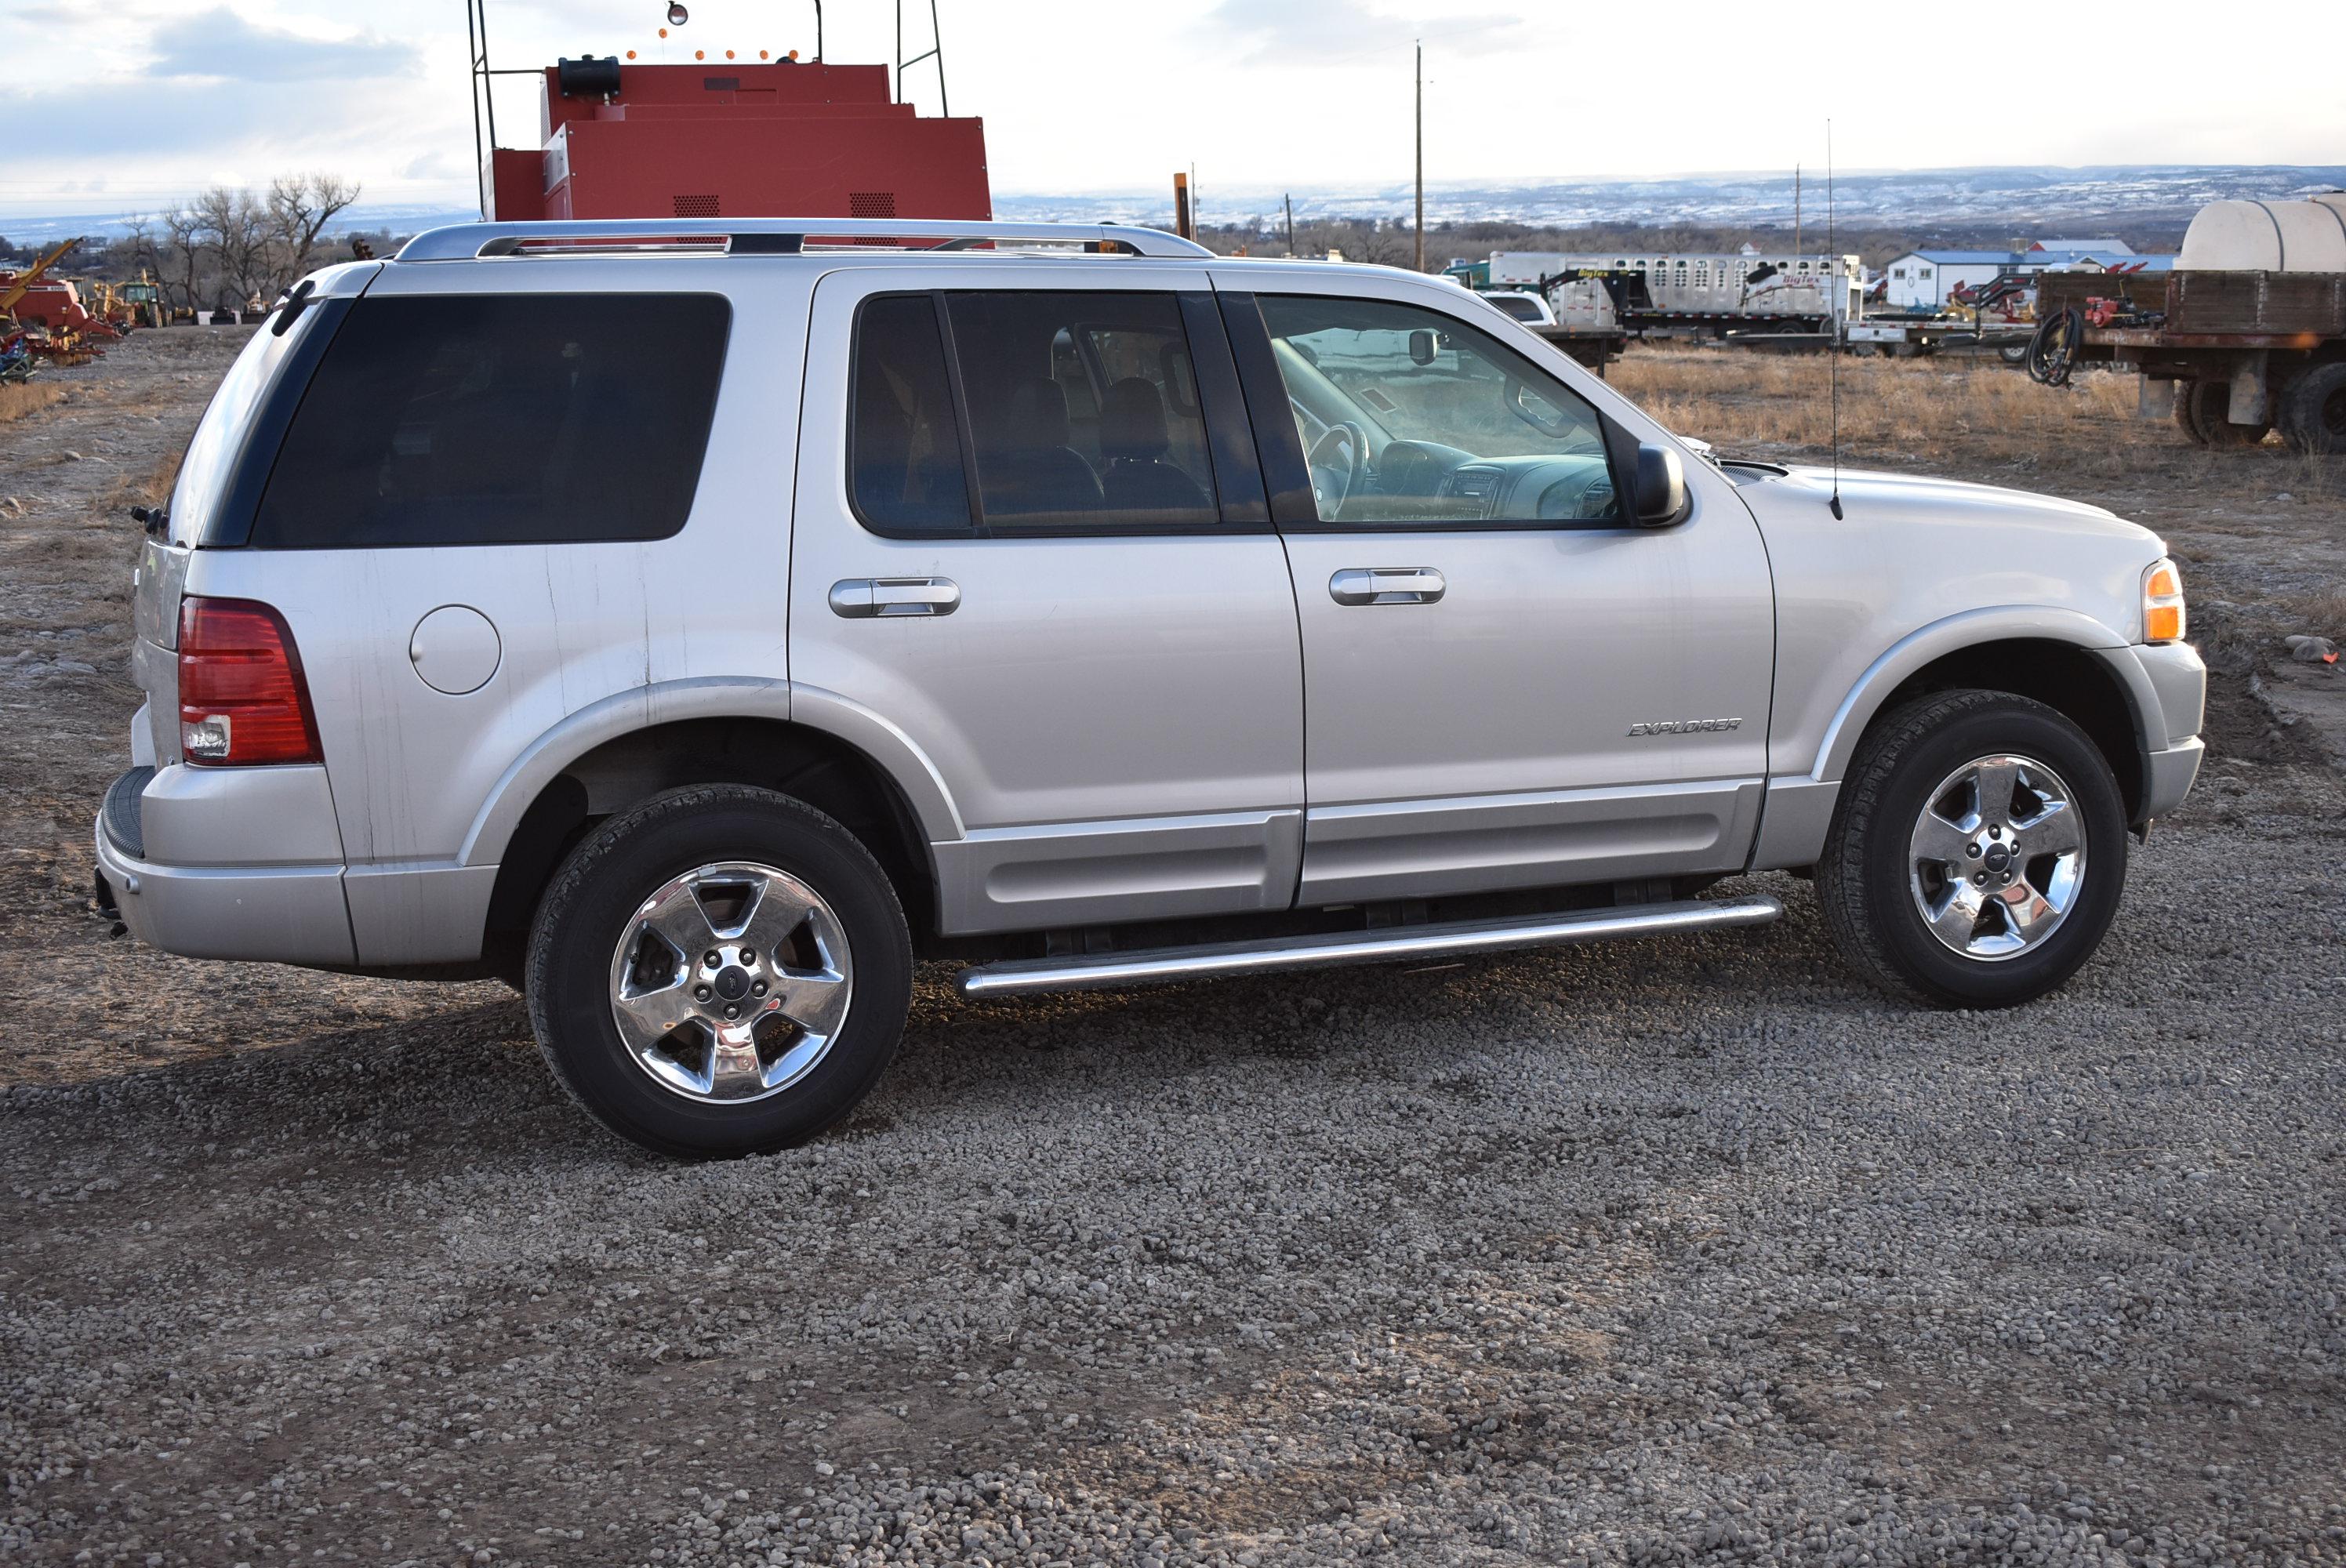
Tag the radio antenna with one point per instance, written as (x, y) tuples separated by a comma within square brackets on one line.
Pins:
[(1835, 305)]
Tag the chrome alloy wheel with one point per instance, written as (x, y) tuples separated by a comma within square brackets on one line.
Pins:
[(730, 983), (1997, 857)]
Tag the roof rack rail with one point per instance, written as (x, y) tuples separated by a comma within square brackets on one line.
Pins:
[(782, 236)]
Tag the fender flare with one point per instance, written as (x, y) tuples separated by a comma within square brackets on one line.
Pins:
[(1974, 628), (666, 702)]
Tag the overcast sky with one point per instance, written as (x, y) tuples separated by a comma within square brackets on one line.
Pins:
[(110, 105)]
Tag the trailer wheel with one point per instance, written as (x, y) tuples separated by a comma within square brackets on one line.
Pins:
[(2013, 353), (2313, 411), (2185, 420), (2208, 405)]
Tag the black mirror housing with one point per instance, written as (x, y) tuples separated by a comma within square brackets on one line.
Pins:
[(1661, 486), (1422, 347)]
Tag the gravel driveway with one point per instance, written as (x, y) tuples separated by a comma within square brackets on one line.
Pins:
[(1685, 1250)]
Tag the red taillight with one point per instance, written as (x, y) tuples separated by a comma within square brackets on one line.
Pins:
[(242, 699)]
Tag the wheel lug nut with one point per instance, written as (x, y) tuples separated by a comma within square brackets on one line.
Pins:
[(713, 958), (1996, 833), (731, 1011), (1981, 879), (758, 989), (700, 993), (1972, 850)]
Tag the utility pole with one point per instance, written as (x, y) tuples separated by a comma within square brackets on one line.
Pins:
[(1289, 203), (1796, 209), (1184, 223), (1421, 156)]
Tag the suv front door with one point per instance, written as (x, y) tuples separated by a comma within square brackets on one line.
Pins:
[(1509, 684), (1084, 628)]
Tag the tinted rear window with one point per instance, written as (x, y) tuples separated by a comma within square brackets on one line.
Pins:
[(514, 419), (906, 450)]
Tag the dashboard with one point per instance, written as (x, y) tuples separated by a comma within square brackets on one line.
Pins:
[(1570, 488)]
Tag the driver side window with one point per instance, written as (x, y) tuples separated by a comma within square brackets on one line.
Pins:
[(1407, 416)]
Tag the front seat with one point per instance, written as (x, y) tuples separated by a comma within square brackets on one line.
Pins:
[(1025, 464), (1134, 442)]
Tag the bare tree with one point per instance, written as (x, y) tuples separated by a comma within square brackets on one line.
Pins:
[(180, 260), (138, 241), (300, 207), (241, 233)]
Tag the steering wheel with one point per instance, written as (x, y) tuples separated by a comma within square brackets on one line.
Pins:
[(1353, 469)]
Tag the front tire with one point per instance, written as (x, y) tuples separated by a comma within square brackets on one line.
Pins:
[(721, 971), (1977, 851)]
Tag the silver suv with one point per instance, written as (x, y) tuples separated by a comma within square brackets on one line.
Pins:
[(693, 623)]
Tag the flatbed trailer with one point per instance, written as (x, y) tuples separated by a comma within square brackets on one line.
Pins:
[(1902, 337), (2247, 351), (1595, 347)]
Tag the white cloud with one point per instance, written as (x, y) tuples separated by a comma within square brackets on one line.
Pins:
[(222, 44)]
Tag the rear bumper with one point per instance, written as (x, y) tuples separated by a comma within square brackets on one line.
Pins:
[(293, 913), (285, 914)]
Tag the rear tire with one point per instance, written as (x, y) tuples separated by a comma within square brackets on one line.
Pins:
[(1911, 836), (707, 905), (2313, 411), (2203, 408)]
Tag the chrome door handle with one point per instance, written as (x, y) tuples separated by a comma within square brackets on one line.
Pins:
[(860, 598), (1387, 586)]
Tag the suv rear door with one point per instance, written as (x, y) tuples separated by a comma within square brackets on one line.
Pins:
[(1509, 684), (1030, 536)]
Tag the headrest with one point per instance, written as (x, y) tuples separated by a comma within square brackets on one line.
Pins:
[(1036, 413), (1132, 420)]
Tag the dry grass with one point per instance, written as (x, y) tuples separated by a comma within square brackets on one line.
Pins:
[(18, 399), (2320, 612), (1736, 398), (1949, 411), (152, 488)]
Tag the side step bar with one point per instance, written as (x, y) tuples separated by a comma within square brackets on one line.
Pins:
[(1392, 944)]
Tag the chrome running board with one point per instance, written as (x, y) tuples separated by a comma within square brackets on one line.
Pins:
[(1387, 945)]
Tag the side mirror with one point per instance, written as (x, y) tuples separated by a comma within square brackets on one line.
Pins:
[(1421, 347), (1661, 486)]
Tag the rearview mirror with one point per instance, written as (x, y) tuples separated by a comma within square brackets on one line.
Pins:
[(1661, 486), (1421, 347)]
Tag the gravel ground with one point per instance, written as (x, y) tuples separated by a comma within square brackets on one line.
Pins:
[(1679, 1251)]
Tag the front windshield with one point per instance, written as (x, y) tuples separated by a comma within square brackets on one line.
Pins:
[(211, 454), (1409, 416)]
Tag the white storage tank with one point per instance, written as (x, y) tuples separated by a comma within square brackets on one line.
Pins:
[(2267, 237)]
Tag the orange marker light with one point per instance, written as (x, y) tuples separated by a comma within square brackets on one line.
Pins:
[(2163, 618), (761, 54), (729, 54), (631, 54), (663, 32), (701, 53)]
